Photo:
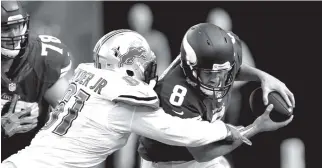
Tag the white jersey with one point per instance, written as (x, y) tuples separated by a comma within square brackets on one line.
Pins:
[(96, 117)]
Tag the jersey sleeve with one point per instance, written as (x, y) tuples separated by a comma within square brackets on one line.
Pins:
[(139, 96), (176, 131), (56, 57), (129, 90)]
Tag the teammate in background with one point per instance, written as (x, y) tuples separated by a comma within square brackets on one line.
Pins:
[(198, 87), (221, 18), (106, 102), (33, 73)]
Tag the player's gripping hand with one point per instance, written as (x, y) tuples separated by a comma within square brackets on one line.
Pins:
[(20, 120), (264, 123), (234, 134), (269, 83)]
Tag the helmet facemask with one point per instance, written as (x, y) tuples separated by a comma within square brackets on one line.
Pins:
[(14, 37), (150, 72), (215, 82)]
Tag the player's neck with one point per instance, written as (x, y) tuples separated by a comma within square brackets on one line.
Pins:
[(12, 64)]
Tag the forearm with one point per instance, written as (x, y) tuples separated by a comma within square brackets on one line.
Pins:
[(57, 90), (176, 131), (194, 133), (249, 73), (209, 152)]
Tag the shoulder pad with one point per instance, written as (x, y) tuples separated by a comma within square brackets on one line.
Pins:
[(57, 57), (177, 98), (121, 88), (142, 96), (137, 93)]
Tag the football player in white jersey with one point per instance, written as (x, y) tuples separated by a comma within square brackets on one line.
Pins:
[(105, 103)]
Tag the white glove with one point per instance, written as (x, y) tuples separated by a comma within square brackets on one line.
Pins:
[(19, 119), (21, 105), (234, 133)]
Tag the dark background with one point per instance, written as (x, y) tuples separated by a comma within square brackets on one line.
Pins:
[(285, 41)]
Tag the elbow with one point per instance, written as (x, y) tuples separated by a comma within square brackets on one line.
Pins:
[(196, 142), (200, 154), (193, 143), (177, 140), (204, 157), (188, 143)]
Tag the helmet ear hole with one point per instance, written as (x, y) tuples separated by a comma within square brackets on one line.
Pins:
[(130, 73)]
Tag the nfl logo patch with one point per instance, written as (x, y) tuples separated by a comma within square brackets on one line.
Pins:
[(12, 87)]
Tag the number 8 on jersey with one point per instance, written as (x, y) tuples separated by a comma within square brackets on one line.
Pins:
[(177, 95)]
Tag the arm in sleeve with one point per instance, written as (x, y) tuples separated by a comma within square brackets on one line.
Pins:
[(213, 150), (63, 68), (175, 131)]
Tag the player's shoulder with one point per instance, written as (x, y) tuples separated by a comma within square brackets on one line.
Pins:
[(177, 96), (50, 56), (166, 85), (173, 79), (121, 88), (135, 92), (53, 49)]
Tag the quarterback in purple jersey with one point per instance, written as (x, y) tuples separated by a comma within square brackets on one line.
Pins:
[(197, 85)]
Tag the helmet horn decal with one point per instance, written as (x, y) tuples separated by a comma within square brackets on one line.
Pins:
[(191, 56)]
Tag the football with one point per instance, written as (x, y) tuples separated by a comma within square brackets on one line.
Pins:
[(280, 112)]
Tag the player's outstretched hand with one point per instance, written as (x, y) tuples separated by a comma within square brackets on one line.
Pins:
[(18, 122), (234, 134), (264, 122), (269, 84)]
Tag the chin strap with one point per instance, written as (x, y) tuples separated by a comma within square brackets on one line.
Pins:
[(150, 74)]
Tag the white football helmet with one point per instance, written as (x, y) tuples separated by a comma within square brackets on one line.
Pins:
[(127, 52)]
